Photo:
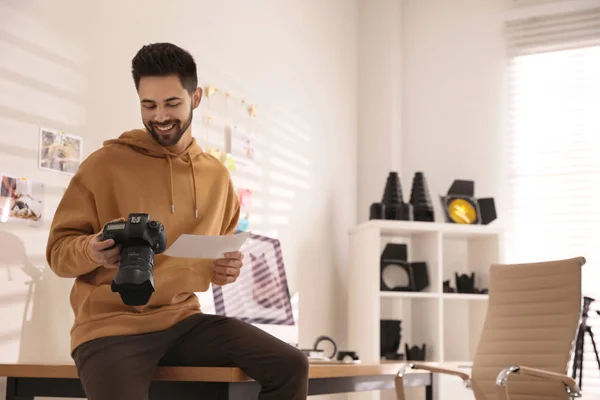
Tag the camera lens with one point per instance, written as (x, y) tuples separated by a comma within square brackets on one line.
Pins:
[(134, 280)]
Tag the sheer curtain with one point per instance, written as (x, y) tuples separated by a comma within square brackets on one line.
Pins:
[(554, 131)]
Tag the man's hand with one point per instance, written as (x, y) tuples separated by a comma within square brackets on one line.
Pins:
[(227, 269), (99, 254)]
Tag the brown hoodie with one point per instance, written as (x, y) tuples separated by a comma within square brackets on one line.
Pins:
[(188, 193)]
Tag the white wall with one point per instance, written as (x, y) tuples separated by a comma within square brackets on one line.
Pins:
[(432, 95), (453, 97), (65, 64), (380, 87)]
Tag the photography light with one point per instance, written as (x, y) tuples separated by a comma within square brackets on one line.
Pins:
[(461, 207), (420, 200), (392, 206), (400, 275)]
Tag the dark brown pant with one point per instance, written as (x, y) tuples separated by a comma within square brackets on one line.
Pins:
[(121, 367)]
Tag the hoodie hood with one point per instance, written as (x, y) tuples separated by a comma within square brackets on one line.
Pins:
[(143, 142)]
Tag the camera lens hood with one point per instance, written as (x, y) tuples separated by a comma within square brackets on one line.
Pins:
[(135, 285), (133, 275)]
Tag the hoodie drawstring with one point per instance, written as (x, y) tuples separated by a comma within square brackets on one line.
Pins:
[(191, 163), (194, 181), (171, 184)]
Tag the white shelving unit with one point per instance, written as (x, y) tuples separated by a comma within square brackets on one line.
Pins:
[(448, 323)]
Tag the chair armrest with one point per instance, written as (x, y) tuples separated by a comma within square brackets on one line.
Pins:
[(571, 386), (399, 382), (432, 368)]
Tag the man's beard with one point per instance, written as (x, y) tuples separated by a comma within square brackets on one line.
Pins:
[(176, 133)]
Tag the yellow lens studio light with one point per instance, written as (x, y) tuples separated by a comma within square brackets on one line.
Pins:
[(461, 207), (461, 211)]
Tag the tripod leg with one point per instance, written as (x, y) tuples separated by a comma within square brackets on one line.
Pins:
[(578, 358), (591, 333), (581, 366)]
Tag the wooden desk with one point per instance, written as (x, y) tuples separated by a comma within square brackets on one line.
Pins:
[(27, 381)]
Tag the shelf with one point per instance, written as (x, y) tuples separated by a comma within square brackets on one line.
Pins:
[(419, 323), (465, 296), (430, 295), (409, 295), (448, 323), (415, 228)]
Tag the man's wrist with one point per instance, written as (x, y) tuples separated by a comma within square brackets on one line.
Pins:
[(86, 249)]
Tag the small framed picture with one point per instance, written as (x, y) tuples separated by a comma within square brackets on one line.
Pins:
[(21, 200), (59, 151)]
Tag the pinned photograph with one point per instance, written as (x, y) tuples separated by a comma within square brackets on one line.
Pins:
[(60, 151), (240, 143), (21, 200)]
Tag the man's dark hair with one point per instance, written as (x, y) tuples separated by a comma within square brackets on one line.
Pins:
[(162, 59)]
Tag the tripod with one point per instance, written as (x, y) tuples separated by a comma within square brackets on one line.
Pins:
[(583, 328)]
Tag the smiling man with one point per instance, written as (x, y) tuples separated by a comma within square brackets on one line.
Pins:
[(163, 129), (162, 171)]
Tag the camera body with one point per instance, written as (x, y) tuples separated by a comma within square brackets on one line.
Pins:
[(140, 239)]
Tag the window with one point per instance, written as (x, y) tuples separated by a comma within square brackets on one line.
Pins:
[(554, 131)]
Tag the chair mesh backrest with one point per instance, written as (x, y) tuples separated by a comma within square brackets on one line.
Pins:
[(532, 319)]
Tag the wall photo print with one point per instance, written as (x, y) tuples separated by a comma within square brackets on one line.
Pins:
[(60, 151), (240, 143), (21, 200)]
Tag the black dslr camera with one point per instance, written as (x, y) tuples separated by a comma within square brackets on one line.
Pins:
[(140, 239)]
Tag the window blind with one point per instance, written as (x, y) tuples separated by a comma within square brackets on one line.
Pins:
[(554, 151)]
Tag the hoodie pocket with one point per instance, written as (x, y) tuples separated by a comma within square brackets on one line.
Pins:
[(174, 282), (189, 279)]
